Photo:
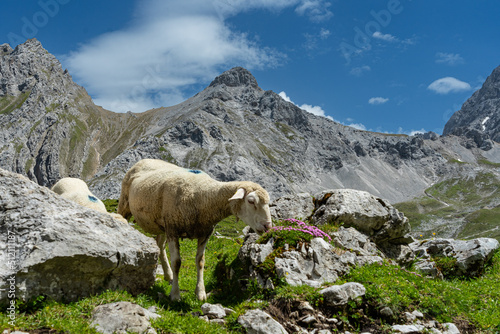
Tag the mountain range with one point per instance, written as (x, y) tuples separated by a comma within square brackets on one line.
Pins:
[(233, 129)]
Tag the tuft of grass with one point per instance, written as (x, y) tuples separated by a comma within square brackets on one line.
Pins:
[(111, 205), (10, 103), (446, 264)]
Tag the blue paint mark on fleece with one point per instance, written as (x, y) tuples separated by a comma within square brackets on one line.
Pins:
[(93, 199), (194, 171)]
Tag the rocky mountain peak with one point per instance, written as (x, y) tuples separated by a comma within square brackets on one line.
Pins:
[(31, 45), (28, 66), (235, 77), (479, 117)]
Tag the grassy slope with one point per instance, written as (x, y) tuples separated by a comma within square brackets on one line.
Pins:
[(460, 207), (475, 301)]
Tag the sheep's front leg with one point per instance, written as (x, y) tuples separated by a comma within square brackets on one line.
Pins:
[(200, 264), (175, 259), (161, 240)]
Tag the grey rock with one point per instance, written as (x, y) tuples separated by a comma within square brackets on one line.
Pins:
[(259, 253), (323, 331), (269, 284), (471, 255), (298, 206), (318, 265), (217, 321), (369, 214), (308, 319), (228, 311), (401, 253), (417, 314), (387, 312), (244, 252), (63, 250), (213, 311), (339, 295), (314, 264), (259, 322), (407, 329), (450, 328), (305, 306), (367, 260), (122, 318), (410, 317), (428, 267), (354, 241), (294, 268)]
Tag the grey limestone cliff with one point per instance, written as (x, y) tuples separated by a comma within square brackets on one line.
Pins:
[(50, 126), (479, 117)]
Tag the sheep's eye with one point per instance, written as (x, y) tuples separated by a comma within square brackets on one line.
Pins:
[(251, 200)]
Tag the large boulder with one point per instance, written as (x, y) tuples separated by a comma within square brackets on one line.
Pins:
[(470, 256), (340, 295), (299, 206), (56, 248), (369, 214), (313, 264)]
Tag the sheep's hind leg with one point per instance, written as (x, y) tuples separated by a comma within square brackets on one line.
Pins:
[(161, 240), (175, 258), (200, 263)]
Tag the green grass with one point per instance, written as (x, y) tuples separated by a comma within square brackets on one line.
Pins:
[(471, 205), (488, 163), (475, 300), (10, 103)]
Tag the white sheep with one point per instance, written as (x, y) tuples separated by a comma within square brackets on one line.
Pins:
[(172, 202), (76, 190)]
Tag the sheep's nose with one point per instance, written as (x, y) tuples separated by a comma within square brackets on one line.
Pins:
[(268, 225)]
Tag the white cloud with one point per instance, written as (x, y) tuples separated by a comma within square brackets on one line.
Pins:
[(285, 97), (449, 58), (315, 110), (378, 100), (384, 37), (324, 33), (313, 40), (316, 10), (170, 46), (358, 126), (358, 71), (449, 85), (411, 132)]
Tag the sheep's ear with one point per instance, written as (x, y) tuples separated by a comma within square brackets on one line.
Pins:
[(239, 194)]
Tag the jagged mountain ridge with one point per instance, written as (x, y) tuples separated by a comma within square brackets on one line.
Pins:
[(233, 130), (479, 117), (50, 126)]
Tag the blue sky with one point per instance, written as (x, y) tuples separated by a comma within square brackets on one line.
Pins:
[(395, 66)]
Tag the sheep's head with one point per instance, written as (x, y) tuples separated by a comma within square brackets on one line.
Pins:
[(252, 206)]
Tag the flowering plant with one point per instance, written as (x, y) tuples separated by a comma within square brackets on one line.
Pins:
[(292, 232)]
